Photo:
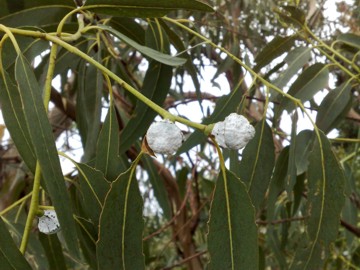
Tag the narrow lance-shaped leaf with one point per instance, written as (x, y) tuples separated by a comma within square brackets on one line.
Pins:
[(333, 107), (158, 185), (291, 170), (277, 186), (145, 9), (40, 16), (191, 69), (313, 79), (53, 251), (350, 39), (45, 149), (325, 201), (278, 182), (272, 50), (153, 54), (257, 163), (304, 144), (292, 15), (14, 117), (88, 107), (107, 157), (295, 60), (232, 238), (10, 256), (94, 187), (121, 226), (156, 85), (34, 249)]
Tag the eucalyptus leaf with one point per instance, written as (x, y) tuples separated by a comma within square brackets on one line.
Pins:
[(232, 238), (350, 40), (334, 107), (36, 17), (272, 50), (158, 185), (309, 82), (295, 60), (42, 139), (304, 144), (156, 86), (10, 256), (53, 251), (107, 158), (324, 205), (88, 107), (144, 8), (257, 163), (151, 53), (14, 117), (121, 226), (278, 182)]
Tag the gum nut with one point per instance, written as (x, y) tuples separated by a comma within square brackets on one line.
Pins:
[(49, 223), (219, 133), (164, 137), (238, 131)]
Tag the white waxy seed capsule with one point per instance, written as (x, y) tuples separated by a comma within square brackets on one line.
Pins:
[(49, 223), (234, 132), (164, 137)]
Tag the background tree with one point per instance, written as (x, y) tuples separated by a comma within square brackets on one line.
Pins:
[(289, 199)]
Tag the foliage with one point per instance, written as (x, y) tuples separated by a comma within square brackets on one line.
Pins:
[(288, 200)]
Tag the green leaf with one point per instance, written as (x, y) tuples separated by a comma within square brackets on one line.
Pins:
[(304, 144), (153, 54), (130, 28), (144, 8), (232, 238), (257, 163), (350, 40), (121, 226), (29, 47), (291, 15), (278, 182), (157, 183), (36, 17), (291, 170), (156, 85), (325, 201), (94, 188), (295, 60), (34, 251), (53, 251), (88, 107), (15, 121), (350, 212), (45, 149), (308, 83), (272, 50), (180, 47), (9, 6), (10, 256), (107, 157), (334, 107)]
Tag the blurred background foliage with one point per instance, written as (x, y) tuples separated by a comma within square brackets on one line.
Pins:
[(318, 65)]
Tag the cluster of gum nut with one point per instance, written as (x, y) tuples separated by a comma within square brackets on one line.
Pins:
[(234, 133)]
